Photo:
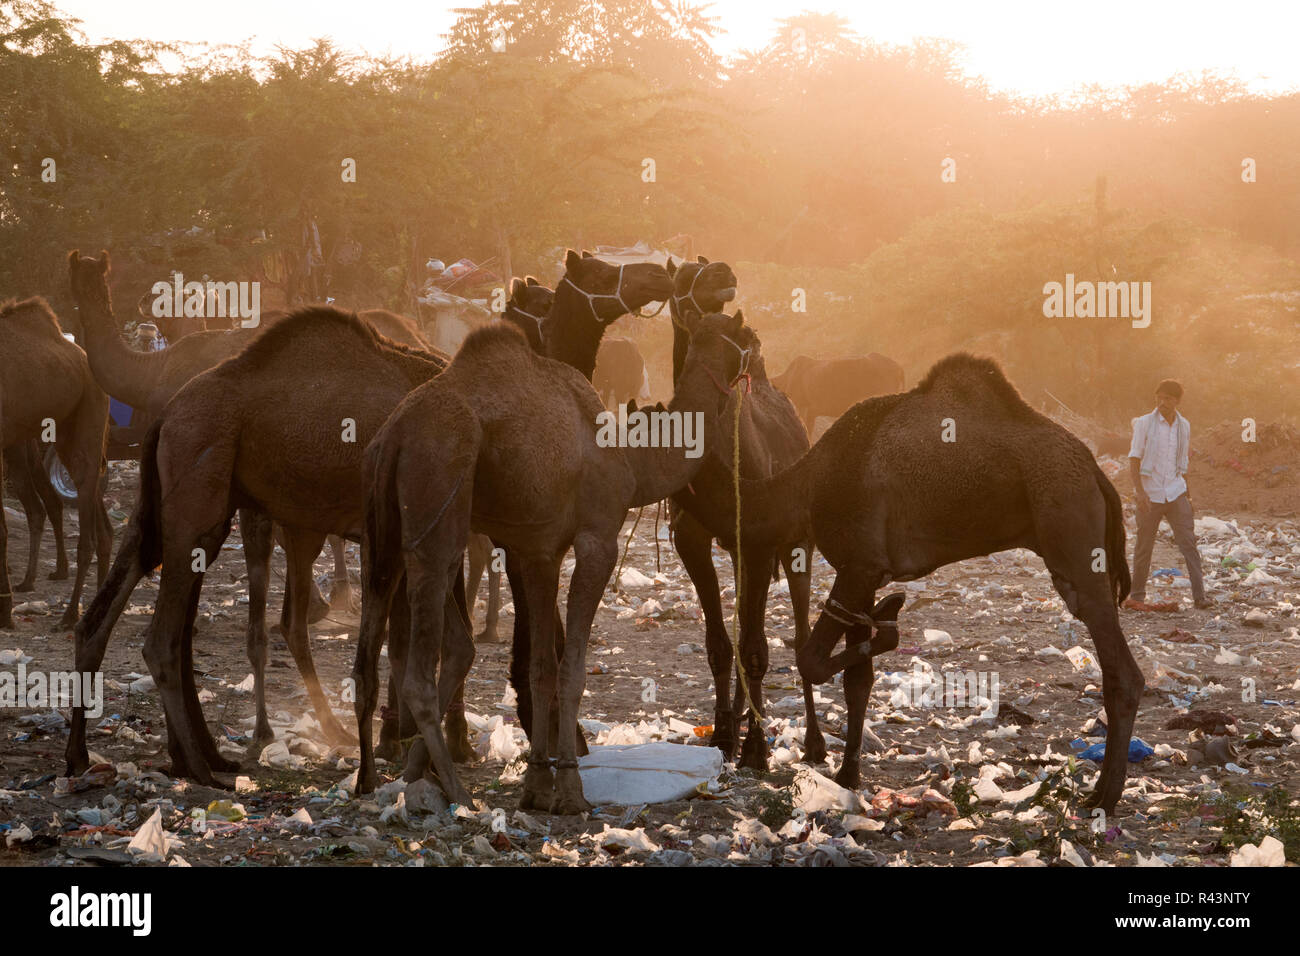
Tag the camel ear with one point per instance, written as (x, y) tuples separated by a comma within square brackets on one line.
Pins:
[(736, 323), (517, 287), (586, 254), (701, 260), (671, 267), (73, 258), (572, 260), (103, 261), (529, 280), (739, 317)]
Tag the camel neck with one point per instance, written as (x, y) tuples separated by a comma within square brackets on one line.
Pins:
[(122, 372), (573, 331), (681, 341), (695, 411)]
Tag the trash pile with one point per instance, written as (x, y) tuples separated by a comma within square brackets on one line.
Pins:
[(1259, 477)]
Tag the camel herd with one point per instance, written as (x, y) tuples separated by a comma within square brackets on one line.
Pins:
[(322, 424)]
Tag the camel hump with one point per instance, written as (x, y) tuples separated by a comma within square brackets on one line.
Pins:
[(495, 338), (973, 375), (34, 309)]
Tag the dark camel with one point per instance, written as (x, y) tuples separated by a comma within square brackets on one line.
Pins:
[(505, 442), (958, 467), (771, 439), (588, 299), (148, 380), (832, 386), (24, 467), (527, 308), (45, 381)]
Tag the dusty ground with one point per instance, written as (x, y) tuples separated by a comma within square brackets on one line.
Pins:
[(1000, 617)]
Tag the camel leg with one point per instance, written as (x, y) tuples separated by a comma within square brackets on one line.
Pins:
[(380, 579), (207, 745), (694, 546), (300, 551), (521, 657), (595, 556), (18, 463), (480, 560), (255, 528), (397, 726), (93, 631), (80, 447), (165, 652), (1087, 594), (814, 744), (6, 592), (429, 570), (756, 570), (457, 656), (53, 503), (341, 595), (540, 584)]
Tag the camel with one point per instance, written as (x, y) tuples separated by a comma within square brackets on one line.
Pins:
[(572, 334), (831, 386), (506, 442), (148, 380), (25, 469), (257, 432), (527, 308), (771, 439), (958, 467), (620, 374), (304, 475), (45, 382)]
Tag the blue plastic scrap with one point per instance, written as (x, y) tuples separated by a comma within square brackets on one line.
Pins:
[(1138, 750)]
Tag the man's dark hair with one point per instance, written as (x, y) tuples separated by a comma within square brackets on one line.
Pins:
[(1170, 387)]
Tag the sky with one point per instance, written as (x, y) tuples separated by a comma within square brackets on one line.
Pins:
[(1032, 48)]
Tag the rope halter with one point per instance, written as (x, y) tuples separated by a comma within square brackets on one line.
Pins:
[(690, 292), (616, 295)]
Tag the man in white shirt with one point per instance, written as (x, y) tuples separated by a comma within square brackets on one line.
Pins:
[(1158, 464)]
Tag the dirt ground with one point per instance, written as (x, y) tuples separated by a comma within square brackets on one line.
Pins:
[(941, 785)]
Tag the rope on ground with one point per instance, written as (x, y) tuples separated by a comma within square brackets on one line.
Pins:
[(741, 677), (619, 573)]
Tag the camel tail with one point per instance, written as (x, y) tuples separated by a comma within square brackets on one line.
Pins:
[(141, 548), (382, 521), (1117, 560)]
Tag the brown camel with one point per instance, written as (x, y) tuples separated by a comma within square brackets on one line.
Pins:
[(771, 439), (527, 308), (572, 334), (148, 380), (620, 373), (960, 466), (25, 470), (257, 432), (301, 471), (506, 442), (832, 386), (46, 385)]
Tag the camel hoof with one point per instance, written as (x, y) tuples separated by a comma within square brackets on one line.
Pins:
[(814, 749), (225, 765), (753, 756), (570, 805), (6, 622), (59, 575), (22, 587), (849, 777), (539, 789), (486, 636), (69, 618), (726, 743), (334, 732), (461, 751)]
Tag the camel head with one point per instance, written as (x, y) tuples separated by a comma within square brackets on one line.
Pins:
[(722, 344), (613, 291), (702, 285), (528, 307), (89, 279)]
